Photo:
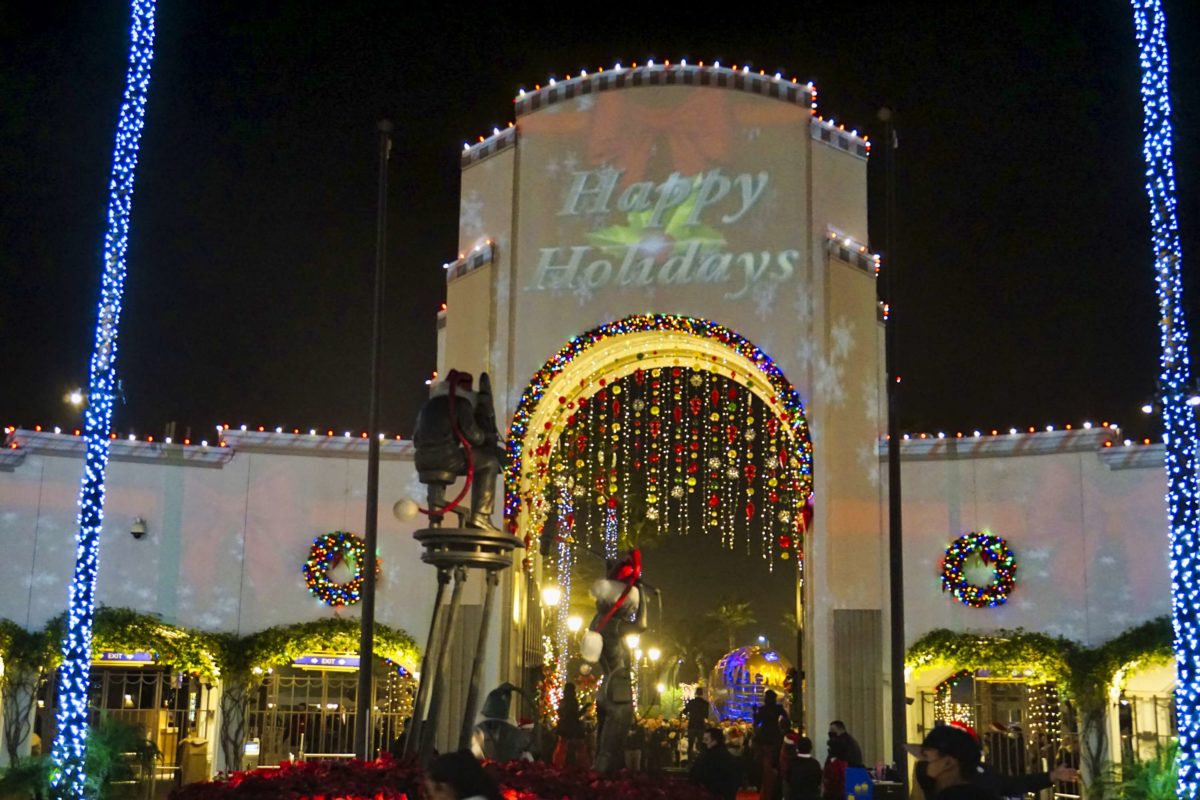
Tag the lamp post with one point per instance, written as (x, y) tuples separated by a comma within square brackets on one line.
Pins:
[(366, 636)]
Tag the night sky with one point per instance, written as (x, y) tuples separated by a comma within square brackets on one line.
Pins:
[(1025, 295)]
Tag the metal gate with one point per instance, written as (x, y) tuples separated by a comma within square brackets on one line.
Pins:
[(166, 706), (1147, 724), (310, 714)]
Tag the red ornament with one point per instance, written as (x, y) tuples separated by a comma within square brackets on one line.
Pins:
[(713, 501), (749, 509)]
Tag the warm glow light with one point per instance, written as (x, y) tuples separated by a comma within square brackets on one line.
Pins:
[(551, 595), (654, 653), (574, 624), (632, 640)]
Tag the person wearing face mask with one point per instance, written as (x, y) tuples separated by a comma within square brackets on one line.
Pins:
[(950, 758), (1005, 786)]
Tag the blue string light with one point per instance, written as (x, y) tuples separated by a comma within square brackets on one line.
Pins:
[(72, 716), (1179, 424)]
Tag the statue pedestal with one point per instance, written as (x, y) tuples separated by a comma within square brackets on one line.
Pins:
[(454, 551), (467, 547)]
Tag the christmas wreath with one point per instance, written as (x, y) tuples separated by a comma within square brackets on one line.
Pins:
[(994, 552), (327, 552)]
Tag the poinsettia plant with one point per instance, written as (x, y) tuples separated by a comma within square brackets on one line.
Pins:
[(389, 779)]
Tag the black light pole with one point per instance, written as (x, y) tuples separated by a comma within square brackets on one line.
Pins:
[(366, 637), (895, 535)]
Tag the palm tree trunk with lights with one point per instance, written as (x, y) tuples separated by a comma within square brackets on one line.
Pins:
[(72, 717), (1179, 423)]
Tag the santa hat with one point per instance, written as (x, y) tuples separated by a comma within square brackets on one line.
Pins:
[(616, 591)]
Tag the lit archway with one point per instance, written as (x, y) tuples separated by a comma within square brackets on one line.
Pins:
[(656, 421), (593, 362)]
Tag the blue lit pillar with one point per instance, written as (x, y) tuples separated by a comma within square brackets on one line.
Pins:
[(1179, 424), (72, 717)]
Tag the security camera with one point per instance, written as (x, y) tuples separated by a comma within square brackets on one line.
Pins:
[(138, 529)]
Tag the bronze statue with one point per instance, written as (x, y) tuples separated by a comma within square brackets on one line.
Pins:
[(456, 435), (620, 610)]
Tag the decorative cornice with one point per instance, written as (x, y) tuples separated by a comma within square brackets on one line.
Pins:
[(848, 249), (463, 265), (931, 447), (72, 445), (1133, 456), (314, 444), (759, 83), (836, 136), (501, 139)]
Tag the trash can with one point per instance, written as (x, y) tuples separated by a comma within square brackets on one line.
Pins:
[(193, 760)]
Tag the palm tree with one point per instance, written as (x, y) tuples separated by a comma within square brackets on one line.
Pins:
[(731, 615), (689, 642)]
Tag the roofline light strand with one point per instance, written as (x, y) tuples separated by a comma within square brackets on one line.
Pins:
[(72, 716), (1179, 423)]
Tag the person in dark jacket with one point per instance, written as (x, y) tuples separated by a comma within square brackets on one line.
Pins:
[(715, 768), (696, 710), (843, 746), (571, 749), (801, 770), (997, 783), (951, 757), (770, 721)]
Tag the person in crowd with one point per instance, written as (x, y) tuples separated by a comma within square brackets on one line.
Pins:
[(571, 748), (995, 782), (770, 721), (843, 746), (458, 776), (715, 768), (800, 769), (696, 710), (951, 757), (635, 743)]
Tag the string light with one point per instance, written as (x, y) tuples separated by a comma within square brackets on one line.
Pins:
[(327, 552), (72, 717), (1179, 424), (994, 552), (784, 400)]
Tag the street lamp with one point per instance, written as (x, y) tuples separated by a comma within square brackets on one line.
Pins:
[(551, 595), (632, 640), (574, 624), (654, 654), (75, 397)]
